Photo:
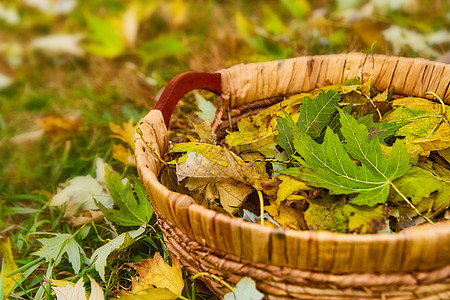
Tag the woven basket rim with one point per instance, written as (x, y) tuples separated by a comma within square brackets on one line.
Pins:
[(172, 205)]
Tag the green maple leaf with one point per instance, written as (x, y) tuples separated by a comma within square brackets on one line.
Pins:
[(62, 243), (131, 211), (331, 167), (100, 255), (383, 129), (314, 116)]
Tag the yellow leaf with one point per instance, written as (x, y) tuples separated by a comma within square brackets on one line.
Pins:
[(439, 140), (134, 14), (57, 125), (124, 132), (157, 273), (232, 194), (9, 265), (288, 186), (178, 11), (288, 217), (62, 283), (124, 155)]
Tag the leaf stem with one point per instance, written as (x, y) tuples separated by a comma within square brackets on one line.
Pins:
[(409, 202), (261, 206), (226, 284)]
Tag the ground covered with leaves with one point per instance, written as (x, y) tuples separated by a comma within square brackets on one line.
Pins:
[(75, 79)]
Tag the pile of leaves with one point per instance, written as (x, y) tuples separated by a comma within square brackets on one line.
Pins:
[(345, 158)]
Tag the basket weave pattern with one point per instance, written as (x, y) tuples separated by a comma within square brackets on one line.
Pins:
[(414, 263)]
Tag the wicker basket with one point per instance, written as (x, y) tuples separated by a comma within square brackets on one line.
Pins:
[(286, 264)]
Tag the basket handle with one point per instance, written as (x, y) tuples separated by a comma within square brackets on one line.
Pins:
[(183, 83)]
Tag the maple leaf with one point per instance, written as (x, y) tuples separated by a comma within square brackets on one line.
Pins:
[(332, 168), (123, 155), (66, 290), (314, 116), (245, 290), (77, 194), (100, 255), (125, 132), (157, 279), (62, 243), (131, 211), (383, 129)]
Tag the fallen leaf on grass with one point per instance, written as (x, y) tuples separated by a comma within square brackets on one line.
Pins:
[(123, 155), (245, 290), (62, 243), (131, 211), (78, 194), (8, 265), (157, 279), (100, 255), (57, 125), (5, 81), (59, 44), (125, 132), (88, 217), (66, 290), (53, 7)]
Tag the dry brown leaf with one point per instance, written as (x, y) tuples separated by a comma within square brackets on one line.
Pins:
[(87, 217)]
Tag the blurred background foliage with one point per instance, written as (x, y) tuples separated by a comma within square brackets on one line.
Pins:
[(68, 68)]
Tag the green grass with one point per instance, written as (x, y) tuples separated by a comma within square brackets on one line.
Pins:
[(98, 89)]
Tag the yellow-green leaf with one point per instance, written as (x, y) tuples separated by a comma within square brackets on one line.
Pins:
[(427, 129), (8, 264), (124, 132), (288, 186), (365, 219)]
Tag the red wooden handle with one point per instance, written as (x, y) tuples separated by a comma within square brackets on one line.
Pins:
[(183, 83)]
